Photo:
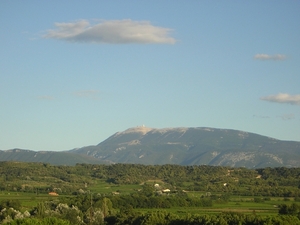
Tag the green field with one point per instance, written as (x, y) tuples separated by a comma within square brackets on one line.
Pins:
[(249, 207), (241, 204)]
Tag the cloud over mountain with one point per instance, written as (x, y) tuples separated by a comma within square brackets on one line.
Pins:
[(283, 98), (270, 57), (111, 32)]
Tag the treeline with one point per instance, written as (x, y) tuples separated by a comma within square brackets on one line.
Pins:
[(166, 218), (163, 218), (139, 201), (147, 197), (284, 182), (101, 210), (66, 215)]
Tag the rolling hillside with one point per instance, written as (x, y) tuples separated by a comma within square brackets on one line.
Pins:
[(54, 158)]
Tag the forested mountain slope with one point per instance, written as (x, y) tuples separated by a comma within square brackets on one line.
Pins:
[(54, 158)]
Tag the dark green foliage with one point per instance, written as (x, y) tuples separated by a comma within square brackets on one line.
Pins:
[(269, 182), (10, 203), (44, 221), (125, 216), (159, 218), (141, 201), (258, 200), (165, 218), (40, 210), (147, 190), (293, 209)]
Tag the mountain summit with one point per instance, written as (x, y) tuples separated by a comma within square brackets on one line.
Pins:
[(194, 146)]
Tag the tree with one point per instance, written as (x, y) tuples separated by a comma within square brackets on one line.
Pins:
[(293, 209), (147, 190), (10, 203)]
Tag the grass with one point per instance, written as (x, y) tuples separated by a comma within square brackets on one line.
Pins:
[(245, 208), (28, 200), (103, 187), (237, 204)]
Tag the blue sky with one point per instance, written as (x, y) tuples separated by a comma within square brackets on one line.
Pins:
[(72, 73)]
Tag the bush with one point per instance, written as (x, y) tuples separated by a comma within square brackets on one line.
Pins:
[(35, 221), (297, 199), (258, 200), (12, 203)]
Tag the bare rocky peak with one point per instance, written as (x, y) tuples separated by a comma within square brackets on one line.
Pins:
[(139, 129), (164, 130), (144, 130)]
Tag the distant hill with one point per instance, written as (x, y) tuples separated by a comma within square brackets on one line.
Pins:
[(182, 146), (51, 157), (195, 146)]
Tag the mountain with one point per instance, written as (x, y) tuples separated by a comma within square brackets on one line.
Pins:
[(195, 146), (182, 146), (51, 157)]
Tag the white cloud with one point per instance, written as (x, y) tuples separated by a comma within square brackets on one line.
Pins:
[(283, 98), (270, 57), (111, 32), (87, 94)]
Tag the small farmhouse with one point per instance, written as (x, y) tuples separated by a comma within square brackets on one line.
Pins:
[(53, 194)]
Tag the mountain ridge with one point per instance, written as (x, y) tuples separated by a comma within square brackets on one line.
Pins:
[(179, 145), (52, 157), (194, 145)]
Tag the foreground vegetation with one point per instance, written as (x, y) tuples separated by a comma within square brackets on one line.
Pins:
[(140, 194)]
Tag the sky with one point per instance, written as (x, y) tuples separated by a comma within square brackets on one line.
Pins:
[(73, 73)]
